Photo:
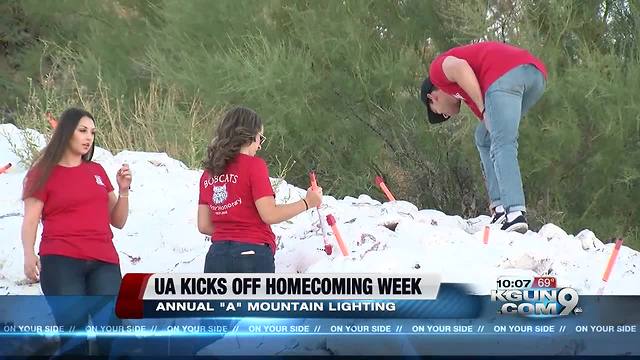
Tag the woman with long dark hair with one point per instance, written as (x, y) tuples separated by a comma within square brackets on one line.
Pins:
[(75, 201), (237, 203)]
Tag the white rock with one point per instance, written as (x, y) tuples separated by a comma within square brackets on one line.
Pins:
[(551, 231), (588, 240)]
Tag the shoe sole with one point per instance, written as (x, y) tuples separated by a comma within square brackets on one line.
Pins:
[(519, 227), (500, 220)]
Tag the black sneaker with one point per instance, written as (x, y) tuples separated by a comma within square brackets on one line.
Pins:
[(518, 224), (499, 218)]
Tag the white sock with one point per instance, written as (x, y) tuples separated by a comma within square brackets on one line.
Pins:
[(499, 209), (513, 215)]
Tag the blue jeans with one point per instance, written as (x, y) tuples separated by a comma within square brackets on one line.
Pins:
[(506, 101), (228, 257)]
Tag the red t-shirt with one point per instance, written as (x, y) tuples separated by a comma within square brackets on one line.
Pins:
[(75, 216), (231, 198), (489, 61)]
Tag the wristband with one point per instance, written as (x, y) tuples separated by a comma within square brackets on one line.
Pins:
[(305, 205)]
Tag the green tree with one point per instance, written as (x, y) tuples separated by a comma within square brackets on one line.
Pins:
[(337, 83)]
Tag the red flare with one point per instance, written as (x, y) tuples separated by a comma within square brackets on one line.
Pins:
[(5, 168), (52, 121), (485, 235), (380, 183), (332, 222), (612, 260)]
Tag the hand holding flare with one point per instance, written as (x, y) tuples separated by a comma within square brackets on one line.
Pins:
[(328, 249)]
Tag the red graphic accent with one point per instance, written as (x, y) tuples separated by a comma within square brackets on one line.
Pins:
[(130, 304), (380, 183), (544, 282)]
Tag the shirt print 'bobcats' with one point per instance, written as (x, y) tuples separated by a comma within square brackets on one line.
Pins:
[(231, 198)]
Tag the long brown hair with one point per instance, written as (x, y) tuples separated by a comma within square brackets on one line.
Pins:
[(51, 155), (238, 127)]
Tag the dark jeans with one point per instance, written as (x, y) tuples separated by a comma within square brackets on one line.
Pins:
[(62, 279), (239, 257), (228, 257)]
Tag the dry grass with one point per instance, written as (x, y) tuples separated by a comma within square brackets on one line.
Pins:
[(157, 119)]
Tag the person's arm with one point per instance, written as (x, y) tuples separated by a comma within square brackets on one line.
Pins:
[(205, 226), (459, 71), (271, 213), (32, 213), (119, 208), (264, 199)]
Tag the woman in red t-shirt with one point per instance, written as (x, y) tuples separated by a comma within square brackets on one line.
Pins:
[(75, 201), (237, 205)]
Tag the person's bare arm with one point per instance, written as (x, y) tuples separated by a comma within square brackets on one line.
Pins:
[(118, 209), (32, 214), (271, 213), (119, 205), (205, 226), (458, 70)]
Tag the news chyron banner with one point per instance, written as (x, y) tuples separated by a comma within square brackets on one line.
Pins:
[(162, 315), (289, 295)]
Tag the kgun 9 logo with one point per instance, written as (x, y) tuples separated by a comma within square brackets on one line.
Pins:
[(537, 302)]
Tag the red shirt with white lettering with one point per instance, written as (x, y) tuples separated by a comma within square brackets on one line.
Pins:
[(488, 60), (75, 216), (231, 199)]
